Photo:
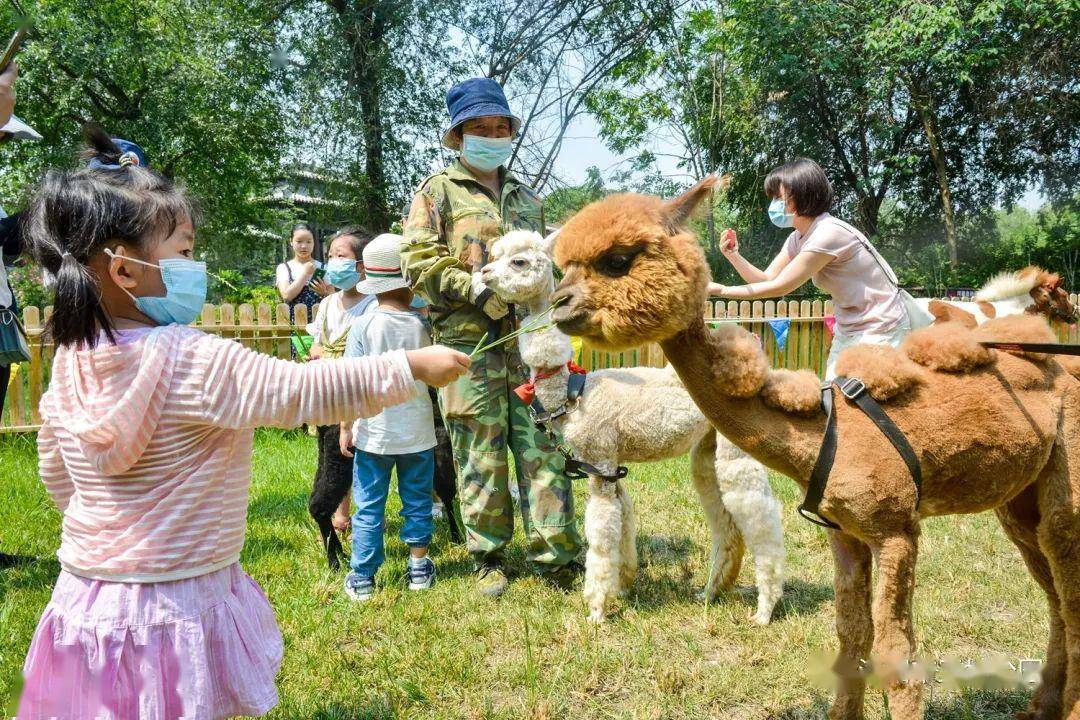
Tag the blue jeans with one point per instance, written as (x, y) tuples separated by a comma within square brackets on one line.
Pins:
[(371, 486)]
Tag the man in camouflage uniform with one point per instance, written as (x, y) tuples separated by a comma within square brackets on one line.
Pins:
[(454, 216)]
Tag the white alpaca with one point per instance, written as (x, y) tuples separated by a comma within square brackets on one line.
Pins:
[(635, 415)]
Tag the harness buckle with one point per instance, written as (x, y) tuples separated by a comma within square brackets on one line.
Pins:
[(852, 388)]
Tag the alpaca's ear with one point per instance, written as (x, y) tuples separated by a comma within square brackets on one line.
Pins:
[(547, 245), (678, 210)]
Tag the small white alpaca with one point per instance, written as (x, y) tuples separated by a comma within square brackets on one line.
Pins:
[(632, 415)]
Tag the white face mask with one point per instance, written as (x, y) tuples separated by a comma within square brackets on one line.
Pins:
[(485, 153), (185, 290)]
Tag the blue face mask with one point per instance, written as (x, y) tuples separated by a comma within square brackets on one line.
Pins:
[(342, 273), (185, 291), (779, 215), (485, 153), (417, 302)]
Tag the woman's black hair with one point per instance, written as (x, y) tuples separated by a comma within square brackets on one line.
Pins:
[(301, 226), (73, 214), (806, 184), (359, 238)]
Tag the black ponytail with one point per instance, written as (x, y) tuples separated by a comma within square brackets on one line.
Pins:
[(73, 215), (100, 146)]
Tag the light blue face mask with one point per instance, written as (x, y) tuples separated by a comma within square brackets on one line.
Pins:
[(342, 273), (417, 302), (185, 290), (779, 215), (484, 153)]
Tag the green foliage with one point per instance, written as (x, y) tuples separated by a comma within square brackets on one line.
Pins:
[(742, 85), (560, 204), (189, 80), (230, 286), (28, 286)]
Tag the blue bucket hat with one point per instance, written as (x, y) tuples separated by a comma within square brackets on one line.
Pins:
[(132, 155), (473, 98)]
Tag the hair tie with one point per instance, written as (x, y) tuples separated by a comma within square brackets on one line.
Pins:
[(129, 158)]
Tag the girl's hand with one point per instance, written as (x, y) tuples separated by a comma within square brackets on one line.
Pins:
[(437, 366), (729, 244), (345, 441), (308, 271), (315, 352), (323, 288)]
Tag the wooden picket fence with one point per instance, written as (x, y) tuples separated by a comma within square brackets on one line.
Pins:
[(267, 329)]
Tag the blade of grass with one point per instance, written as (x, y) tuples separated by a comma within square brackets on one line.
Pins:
[(476, 349)]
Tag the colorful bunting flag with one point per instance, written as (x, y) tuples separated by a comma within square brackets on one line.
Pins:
[(830, 324), (780, 330)]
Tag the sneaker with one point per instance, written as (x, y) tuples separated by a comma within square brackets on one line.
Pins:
[(422, 576), (359, 587), (438, 510), (565, 576), (491, 580)]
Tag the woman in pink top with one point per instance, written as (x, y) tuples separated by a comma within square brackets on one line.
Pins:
[(145, 447), (868, 303)]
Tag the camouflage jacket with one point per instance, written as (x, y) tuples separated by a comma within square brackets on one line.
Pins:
[(452, 221)]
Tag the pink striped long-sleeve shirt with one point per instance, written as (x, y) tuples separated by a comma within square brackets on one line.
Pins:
[(146, 445)]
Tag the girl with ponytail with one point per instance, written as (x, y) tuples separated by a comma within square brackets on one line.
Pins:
[(145, 447)]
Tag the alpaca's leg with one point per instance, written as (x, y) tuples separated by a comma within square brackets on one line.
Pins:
[(628, 545), (603, 530), (894, 632), (726, 554), (1059, 536), (1020, 519), (854, 626), (744, 488)]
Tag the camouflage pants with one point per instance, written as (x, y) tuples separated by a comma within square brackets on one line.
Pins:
[(485, 419)]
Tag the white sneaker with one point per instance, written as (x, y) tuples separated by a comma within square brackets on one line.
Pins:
[(359, 587), (438, 510), (422, 576)]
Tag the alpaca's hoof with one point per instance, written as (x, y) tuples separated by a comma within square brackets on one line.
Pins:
[(762, 617), (706, 596), (597, 617)]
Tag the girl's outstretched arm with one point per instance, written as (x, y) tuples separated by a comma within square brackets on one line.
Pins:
[(244, 388)]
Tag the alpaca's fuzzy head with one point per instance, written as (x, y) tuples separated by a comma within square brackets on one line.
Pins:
[(519, 268), (633, 273)]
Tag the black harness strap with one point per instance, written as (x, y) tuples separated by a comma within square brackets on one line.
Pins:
[(1045, 348), (819, 476), (855, 391), (574, 469)]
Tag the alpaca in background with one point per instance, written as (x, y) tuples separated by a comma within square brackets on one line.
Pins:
[(638, 415)]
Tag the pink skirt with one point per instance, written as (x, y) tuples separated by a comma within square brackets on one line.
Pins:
[(202, 648)]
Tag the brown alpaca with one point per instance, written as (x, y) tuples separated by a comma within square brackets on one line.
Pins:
[(992, 431)]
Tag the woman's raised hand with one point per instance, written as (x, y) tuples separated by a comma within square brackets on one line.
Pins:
[(729, 243), (323, 288), (437, 365)]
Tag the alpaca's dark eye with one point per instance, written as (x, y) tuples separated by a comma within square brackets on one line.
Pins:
[(519, 263), (616, 264)]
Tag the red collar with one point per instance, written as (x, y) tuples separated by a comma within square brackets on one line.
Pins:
[(527, 391)]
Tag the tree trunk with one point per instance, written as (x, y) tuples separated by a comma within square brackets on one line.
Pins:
[(929, 122), (711, 224), (365, 30)]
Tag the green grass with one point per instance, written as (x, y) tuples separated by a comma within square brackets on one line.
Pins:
[(447, 654)]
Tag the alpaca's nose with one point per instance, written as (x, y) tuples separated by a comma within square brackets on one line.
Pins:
[(565, 299)]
